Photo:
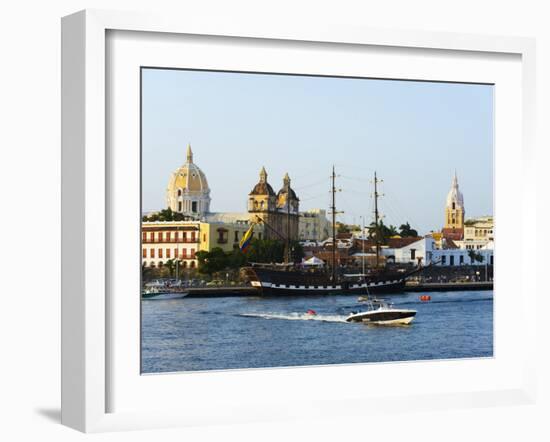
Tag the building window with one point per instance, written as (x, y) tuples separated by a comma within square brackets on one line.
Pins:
[(453, 206), (161, 263), (144, 253), (444, 260), (151, 253), (160, 253), (452, 260), (179, 192), (194, 206), (193, 237), (192, 264), (161, 237), (236, 235), (184, 253), (222, 236), (461, 259), (168, 253), (192, 253), (204, 237), (144, 236), (184, 264), (168, 236), (179, 206), (491, 260), (413, 254)]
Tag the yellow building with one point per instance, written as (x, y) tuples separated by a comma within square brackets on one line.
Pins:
[(225, 235)]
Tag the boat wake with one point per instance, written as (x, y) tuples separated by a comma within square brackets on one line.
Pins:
[(296, 317)]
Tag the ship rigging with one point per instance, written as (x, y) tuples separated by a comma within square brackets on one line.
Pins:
[(288, 279)]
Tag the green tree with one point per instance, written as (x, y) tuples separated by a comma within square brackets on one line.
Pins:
[(165, 215), (342, 228), (236, 259), (381, 233), (265, 250), (405, 230), (296, 251), (475, 256), (213, 261)]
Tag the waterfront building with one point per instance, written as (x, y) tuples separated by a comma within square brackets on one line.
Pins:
[(478, 233), (188, 192), (225, 235), (314, 225), (274, 210), (171, 240), (425, 252), (168, 240)]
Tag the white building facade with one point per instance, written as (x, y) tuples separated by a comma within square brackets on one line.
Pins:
[(314, 225), (425, 251), (165, 240)]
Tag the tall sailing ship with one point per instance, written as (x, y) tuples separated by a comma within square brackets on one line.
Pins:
[(288, 279)]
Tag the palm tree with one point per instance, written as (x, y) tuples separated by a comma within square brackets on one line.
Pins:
[(406, 230)]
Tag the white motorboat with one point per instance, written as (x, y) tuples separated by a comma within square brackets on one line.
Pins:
[(157, 293), (383, 313)]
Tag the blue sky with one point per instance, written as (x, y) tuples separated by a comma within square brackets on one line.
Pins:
[(414, 134)]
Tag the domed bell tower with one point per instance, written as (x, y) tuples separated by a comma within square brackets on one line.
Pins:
[(262, 204), (288, 206), (454, 209)]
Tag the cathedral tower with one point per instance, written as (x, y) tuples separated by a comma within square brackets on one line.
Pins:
[(454, 209)]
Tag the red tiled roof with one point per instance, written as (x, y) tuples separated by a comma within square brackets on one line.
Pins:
[(452, 234), (393, 243)]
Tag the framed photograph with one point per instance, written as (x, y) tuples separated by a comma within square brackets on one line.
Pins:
[(254, 211)]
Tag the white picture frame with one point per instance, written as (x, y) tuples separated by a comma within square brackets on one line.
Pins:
[(87, 356)]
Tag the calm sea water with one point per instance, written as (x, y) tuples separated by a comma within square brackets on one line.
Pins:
[(252, 332)]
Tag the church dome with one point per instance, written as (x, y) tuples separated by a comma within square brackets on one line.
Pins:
[(263, 187), (188, 190), (189, 177), (455, 195)]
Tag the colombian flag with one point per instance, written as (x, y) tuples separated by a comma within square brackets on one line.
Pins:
[(245, 240)]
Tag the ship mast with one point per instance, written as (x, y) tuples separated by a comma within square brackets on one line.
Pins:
[(363, 246), (376, 217), (288, 253), (333, 208)]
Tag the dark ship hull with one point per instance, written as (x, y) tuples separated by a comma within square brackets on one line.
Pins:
[(295, 283)]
